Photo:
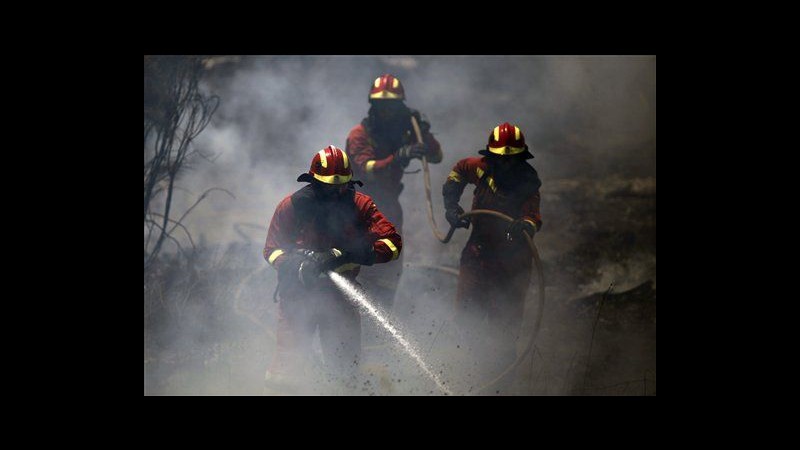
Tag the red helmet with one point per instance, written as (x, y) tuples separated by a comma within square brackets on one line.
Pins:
[(330, 165), (506, 140), (387, 87)]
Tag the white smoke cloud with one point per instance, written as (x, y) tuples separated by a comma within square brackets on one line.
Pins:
[(581, 116)]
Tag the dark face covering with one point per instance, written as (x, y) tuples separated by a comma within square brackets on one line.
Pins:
[(503, 165), (389, 116), (333, 192), (507, 171)]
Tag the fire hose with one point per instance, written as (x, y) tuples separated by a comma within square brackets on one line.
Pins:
[(427, 179), (534, 254)]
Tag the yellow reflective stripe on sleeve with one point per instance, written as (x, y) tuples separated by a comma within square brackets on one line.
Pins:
[(370, 165), (454, 176), (391, 246), (490, 180), (275, 255)]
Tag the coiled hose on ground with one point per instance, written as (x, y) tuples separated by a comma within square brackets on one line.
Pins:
[(540, 276)]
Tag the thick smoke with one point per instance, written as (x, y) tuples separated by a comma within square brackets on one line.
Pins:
[(586, 119)]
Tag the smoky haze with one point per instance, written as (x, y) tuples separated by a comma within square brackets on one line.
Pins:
[(590, 123)]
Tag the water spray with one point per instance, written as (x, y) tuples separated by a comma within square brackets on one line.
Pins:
[(362, 301)]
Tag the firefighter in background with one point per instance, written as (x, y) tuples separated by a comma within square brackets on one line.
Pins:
[(381, 147), (324, 226), (496, 262)]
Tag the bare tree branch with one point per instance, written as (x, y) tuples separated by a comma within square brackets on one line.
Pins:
[(202, 196), (164, 234), (594, 327), (178, 224), (170, 237), (175, 113)]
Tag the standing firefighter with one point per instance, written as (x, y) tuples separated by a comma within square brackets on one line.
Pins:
[(324, 226), (496, 262), (381, 147)]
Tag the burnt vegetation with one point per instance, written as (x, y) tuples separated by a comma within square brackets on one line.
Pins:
[(209, 315), (175, 112)]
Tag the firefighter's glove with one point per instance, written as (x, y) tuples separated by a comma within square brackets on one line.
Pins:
[(406, 153), (289, 269), (308, 269), (362, 253), (424, 125), (515, 229), (452, 216), (318, 264), (331, 259)]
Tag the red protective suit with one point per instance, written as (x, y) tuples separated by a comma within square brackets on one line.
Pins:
[(495, 273), (301, 221), (372, 151)]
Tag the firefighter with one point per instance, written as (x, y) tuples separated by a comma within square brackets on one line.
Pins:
[(326, 225), (496, 262), (381, 147)]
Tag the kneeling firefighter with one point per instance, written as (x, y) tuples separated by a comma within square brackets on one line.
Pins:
[(324, 226), (495, 268)]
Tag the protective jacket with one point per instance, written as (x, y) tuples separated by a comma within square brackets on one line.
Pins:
[(301, 221)]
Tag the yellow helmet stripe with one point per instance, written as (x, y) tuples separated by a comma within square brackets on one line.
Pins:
[(496, 133), (333, 179), (395, 82), (489, 179), (516, 133), (507, 150), (370, 166), (274, 256), (391, 246), (384, 95), (346, 160), (322, 158), (377, 82)]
